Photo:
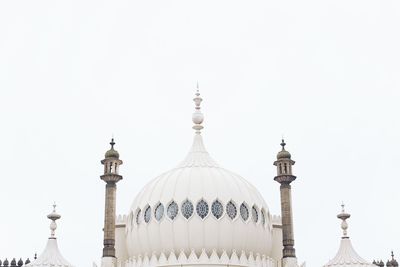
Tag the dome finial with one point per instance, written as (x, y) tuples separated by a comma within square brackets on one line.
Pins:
[(283, 144), (197, 116), (53, 217), (112, 143), (344, 216)]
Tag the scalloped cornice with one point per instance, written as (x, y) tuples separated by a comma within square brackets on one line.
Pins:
[(173, 259)]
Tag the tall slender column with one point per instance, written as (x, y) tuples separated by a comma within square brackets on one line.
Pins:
[(285, 177), (111, 177), (109, 221), (287, 221)]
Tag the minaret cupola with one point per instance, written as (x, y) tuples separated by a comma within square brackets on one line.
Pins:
[(284, 162), (111, 161)]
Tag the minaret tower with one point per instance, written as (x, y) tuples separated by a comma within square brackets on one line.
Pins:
[(111, 164), (285, 176)]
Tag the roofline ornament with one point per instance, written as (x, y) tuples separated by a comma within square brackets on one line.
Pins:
[(197, 116), (344, 216), (53, 217)]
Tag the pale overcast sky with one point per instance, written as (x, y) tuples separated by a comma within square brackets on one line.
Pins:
[(326, 74)]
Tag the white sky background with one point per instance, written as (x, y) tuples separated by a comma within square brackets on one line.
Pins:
[(326, 74)]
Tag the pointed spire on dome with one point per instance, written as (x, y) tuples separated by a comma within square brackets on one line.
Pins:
[(347, 256), (197, 116), (344, 216), (51, 256), (198, 155), (53, 217)]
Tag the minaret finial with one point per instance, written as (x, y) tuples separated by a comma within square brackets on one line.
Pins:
[(197, 116), (283, 144), (53, 217), (112, 143), (344, 216)]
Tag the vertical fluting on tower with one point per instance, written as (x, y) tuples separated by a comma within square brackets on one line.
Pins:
[(284, 165), (111, 164)]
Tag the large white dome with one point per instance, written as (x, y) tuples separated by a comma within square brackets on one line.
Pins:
[(199, 206)]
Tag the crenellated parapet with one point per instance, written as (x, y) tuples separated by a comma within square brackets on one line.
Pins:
[(120, 220), (276, 220), (181, 259)]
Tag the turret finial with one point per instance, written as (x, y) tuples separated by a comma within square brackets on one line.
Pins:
[(344, 216), (197, 116), (283, 144), (112, 143), (53, 217)]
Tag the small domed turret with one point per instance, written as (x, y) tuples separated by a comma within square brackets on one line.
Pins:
[(283, 154), (392, 262), (27, 261), (13, 263), (5, 263), (112, 153), (20, 262)]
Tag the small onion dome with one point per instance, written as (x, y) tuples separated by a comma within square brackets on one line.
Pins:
[(389, 264), (5, 263), (20, 262), (27, 261), (392, 262), (13, 262), (112, 153), (283, 154)]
